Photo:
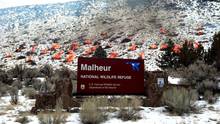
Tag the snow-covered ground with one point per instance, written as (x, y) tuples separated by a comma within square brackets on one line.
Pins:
[(70, 28), (16, 3), (208, 114)]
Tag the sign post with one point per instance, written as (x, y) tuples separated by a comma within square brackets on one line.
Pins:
[(98, 76)]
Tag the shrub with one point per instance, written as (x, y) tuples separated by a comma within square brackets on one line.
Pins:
[(47, 71), (213, 54), (175, 56), (29, 75), (22, 120), (90, 114), (169, 58), (179, 100), (58, 117), (17, 83), (64, 72), (37, 84), (5, 78), (18, 72), (199, 75), (129, 109), (209, 96), (29, 92), (100, 53), (189, 54), (3, 89), (14, 95)]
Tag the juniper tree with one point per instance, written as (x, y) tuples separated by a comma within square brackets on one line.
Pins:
[(213, 54), (189, 54), (100, 53), (169, 58)]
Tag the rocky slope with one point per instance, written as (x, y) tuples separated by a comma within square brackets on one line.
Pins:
[(124, 29)]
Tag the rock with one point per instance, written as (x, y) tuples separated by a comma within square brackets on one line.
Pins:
[(212, 119), (114, 38), (211, 108), (126, 40), (21, 57)]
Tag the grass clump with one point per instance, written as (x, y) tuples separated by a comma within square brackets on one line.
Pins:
[(22, 120), (179, 100), (29, 92), (129, 109), (57, 117), (90, 113)]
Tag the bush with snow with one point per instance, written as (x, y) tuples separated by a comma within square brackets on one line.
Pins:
[(129, 109), (29, 92), (179, 100), (57, 117), (90, 113)]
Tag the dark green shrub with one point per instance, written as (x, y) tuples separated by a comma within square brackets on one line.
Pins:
[(3, 89), (29, 75), (5, 77), (100, 53), (37, 84), (175, 56), (213, 54), (169, 59), (63, 72), (179, 100), (17, 83), (47, 71), (189, 54), (18, 72)]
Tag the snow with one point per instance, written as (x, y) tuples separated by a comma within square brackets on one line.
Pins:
[(15, 3), (174, 80), (150, 115)]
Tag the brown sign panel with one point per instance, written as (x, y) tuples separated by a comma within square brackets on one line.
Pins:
[(96, 76)]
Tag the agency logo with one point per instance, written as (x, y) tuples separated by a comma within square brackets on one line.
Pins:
[(135, 65)]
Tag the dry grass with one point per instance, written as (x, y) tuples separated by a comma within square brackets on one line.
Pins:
[(22, 120), (129, 108), (90, 113), (29, 92), (57, 117), (9, 107), (179, 100)]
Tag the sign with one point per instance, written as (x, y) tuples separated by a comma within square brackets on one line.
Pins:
[(110, 76), (160, 82)]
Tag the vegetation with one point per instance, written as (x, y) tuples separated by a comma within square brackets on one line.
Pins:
[(169, 59), (5, 77), (14, 95), (29, 75), (100, 53), (129, 109), (213, 54), (179, 100), (3, 89), (58, 117), (47, 71), (29, 92), (18, 71), (22, 120), (176, 56), (90, 114)]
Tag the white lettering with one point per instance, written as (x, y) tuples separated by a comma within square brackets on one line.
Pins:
[(94, 67)]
